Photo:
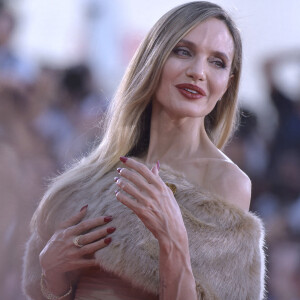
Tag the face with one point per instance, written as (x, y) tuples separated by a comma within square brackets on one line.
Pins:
[(197, 72)]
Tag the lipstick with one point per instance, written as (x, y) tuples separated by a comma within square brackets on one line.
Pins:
[(190, 91)]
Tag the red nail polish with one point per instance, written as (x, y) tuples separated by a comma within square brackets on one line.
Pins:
[(108, 219), (123, 159), (110, 229), (107, 241), (158, 165), (119, 170), (84, 207)]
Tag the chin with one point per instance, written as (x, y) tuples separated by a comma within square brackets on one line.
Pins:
[(186, 114), (192, 112)]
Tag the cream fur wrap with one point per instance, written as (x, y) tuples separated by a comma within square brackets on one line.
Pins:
[(226, 243)]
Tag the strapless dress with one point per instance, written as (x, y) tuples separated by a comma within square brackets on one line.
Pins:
[(96, 284)]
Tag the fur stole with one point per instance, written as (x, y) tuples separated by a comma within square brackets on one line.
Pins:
[(226, 243)]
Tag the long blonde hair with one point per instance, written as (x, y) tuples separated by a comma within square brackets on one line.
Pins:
[(127, 123)]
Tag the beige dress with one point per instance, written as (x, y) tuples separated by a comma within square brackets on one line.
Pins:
[(96, 284)]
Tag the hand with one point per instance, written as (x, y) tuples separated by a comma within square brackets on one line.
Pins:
[(153, 202), (61, 255)]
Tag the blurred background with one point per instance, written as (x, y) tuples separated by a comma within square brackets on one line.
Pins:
[(60, 62)]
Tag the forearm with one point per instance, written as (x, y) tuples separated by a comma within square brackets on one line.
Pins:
[(176, 277)]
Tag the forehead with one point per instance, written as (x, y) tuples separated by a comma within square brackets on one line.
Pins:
[(213, 35)]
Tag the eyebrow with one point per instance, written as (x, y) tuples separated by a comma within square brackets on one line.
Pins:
[(194, 46)]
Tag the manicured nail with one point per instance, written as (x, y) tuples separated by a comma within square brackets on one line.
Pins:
[(107, 240), (119, 170), (158, 165), (108, 219), (123, 159), (84, 207), (116, 192), (116, 179), (110, 229)]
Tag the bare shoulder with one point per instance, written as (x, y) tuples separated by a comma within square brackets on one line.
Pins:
[(229, 182), (235, 186), (218, 175)]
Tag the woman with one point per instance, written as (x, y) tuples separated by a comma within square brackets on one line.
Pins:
[(182, 231)]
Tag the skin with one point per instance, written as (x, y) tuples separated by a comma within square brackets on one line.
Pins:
[(177, 138), (60, 259), (159, 211), (191, 152)]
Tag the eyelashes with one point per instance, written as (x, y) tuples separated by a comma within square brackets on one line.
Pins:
[(181, 51), (184, 52), (220, 64)]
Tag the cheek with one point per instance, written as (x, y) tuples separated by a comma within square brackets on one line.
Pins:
[(167, 77), (172, 69), (220, 84), (168, 71)]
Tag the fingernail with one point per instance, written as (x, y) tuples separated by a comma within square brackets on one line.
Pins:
[(116, 192), (108, 219), (123, 159), (110, 229), (158, 165), (107, 240), (116, 179), (84, 207), (119, 170)]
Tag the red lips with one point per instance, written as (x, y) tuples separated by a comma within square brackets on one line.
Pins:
[(190, 91)]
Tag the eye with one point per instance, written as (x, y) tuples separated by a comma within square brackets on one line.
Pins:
[(182, 51), (219, 63)]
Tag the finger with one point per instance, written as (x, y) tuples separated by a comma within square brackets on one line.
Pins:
[(140, 168), (134, 178), (130, 189), (95, 235), (87, 225), (127, 201), (75, 219), (93, 247)]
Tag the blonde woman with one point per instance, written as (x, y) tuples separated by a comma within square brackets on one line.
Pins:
[(181, 230)]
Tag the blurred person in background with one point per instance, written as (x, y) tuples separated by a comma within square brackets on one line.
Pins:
[(284, 270), (24, 158), (287, 134), (182, 231), (70, 122), (27, 98), (24, 164), (285, 146), (280, 204)]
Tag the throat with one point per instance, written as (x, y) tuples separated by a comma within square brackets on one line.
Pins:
[(174, 138), (172, 146)]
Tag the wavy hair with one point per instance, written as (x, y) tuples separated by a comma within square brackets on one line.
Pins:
[(126, 127)]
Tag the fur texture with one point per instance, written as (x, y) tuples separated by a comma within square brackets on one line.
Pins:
[(226, 243)]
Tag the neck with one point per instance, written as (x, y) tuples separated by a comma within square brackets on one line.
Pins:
[(173, 139)]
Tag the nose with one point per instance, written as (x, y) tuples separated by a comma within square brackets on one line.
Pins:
[(196, 71)]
